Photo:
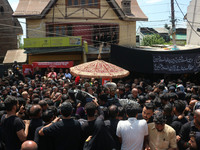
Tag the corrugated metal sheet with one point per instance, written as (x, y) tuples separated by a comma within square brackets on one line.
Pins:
[(31, 7)]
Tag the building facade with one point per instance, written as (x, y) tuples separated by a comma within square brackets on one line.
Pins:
[(10, 29), (193, 25), (94, 21)]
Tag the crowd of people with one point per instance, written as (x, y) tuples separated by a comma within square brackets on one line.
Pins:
[(53, 111)]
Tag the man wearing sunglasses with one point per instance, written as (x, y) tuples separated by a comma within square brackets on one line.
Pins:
[(161, 135)]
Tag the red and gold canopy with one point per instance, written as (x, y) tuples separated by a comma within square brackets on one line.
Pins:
[(98, 69)]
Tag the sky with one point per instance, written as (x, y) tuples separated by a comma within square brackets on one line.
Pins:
[(157, 11)]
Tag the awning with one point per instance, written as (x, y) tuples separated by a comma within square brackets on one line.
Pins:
[(15, 55), (53, 50)]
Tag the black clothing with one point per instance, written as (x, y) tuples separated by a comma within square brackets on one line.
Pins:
[(43, 142), (113, 101), (66, 134), (101, 138), (10, 127), (169, 119), (126, 94), (140, 118), (34, 124), (2, 145), (130, 96), (112, 126), (185, 133), (87, 129), (177, 124)]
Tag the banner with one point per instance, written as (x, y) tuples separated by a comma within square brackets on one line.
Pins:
[(154, 61), (176, 63), (66, 64), (26, 69)]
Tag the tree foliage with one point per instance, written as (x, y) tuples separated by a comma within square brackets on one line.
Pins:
[(150, 40)]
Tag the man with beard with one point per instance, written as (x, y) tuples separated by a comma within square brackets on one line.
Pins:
[(147, 113), (193, 126), (14, 130), (161, 135)]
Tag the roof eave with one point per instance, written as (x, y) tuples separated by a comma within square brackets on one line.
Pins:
[(38, 16), (28, 16), (127, 18)]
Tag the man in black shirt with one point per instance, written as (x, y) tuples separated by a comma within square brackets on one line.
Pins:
[(45, 142), (186, 130), (36, 120), (88, 126), (111, 124), (67, 132), (179, 118), (14, 129)]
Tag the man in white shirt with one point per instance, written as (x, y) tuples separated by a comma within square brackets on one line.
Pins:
[(132, 132)]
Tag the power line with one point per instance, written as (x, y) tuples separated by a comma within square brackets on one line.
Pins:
[(186, 18)]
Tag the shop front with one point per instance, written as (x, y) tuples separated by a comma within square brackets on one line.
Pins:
[(43, 66)]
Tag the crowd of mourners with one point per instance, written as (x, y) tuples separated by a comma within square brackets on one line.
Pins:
[(53, 111)]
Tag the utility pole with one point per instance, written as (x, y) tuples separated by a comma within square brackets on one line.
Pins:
[(173, 25)]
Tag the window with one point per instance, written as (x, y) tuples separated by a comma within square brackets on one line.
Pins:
[(90, 2), (59, 30), (50, 31), (69, 3), (76, 2), (109, 34), (1, 10), (83, 3), (63, 30), (69, 30), (96, 3)]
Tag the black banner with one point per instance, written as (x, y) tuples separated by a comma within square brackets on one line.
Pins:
[(149, 61), (176, 63)]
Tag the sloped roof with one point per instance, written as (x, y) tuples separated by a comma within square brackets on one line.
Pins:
[(9, 19), (39, 8), (161, 30), (15, 55), (136, 13), (34, 8)]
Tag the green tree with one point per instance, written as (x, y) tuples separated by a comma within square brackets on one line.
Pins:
[(149, 40), (21, 44)]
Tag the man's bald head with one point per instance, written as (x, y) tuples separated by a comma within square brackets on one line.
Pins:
[(113, 111), (35, 111), (29, 145), (134, 92), (197, 112)]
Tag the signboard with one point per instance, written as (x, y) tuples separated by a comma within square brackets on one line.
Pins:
[(66, 64), (104, 81), (52, 42), (176, 63), (26, 69)]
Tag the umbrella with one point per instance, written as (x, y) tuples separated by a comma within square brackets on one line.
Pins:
[(98, 69)]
